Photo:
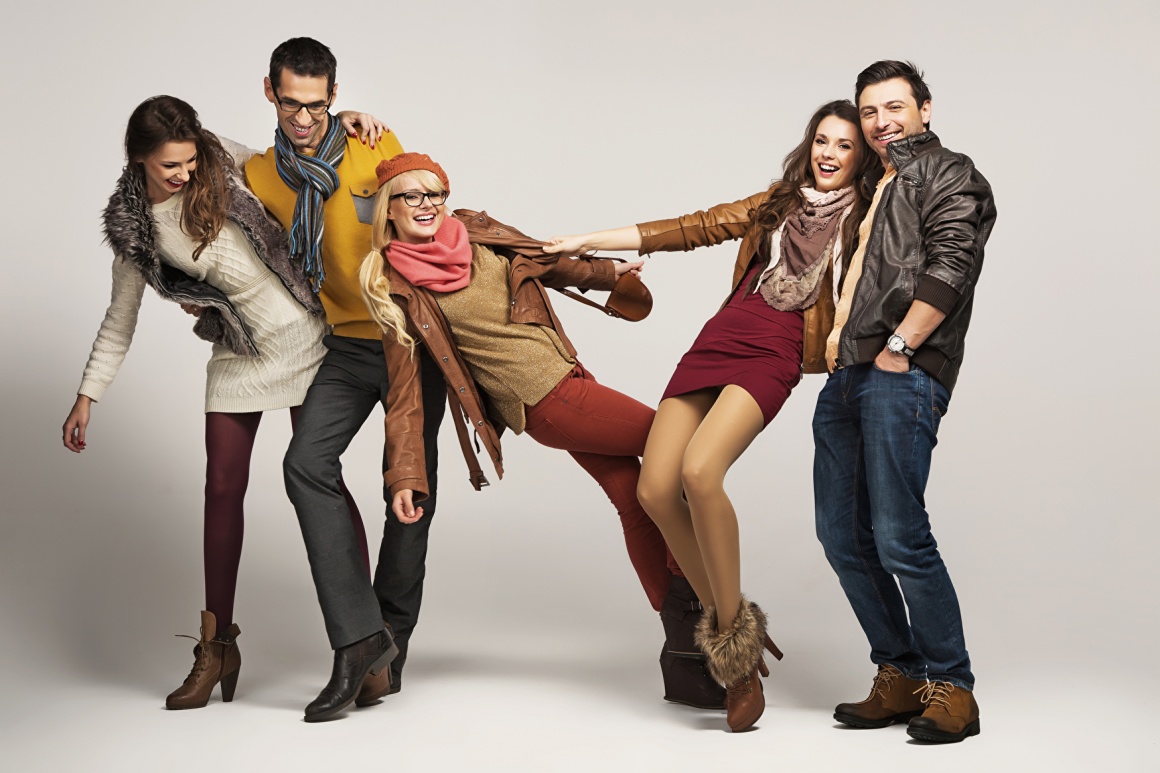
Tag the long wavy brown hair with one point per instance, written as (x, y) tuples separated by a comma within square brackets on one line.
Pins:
[(163, 119), (785, 194)]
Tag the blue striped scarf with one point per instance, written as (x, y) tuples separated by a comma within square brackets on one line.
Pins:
[(315, 180)]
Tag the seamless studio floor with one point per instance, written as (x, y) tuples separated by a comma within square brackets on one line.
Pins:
[(570, 700)]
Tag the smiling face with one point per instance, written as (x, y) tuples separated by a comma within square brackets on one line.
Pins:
[(304, 130), (889, 112), (835, 154), (413, 225), (168, 169)]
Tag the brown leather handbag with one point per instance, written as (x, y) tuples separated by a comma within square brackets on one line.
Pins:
[(629, 300)]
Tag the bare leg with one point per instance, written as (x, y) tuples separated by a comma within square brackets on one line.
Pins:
[(729, 428), (660, 490)]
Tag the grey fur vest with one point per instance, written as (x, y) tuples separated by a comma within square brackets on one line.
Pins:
[(129, 231)]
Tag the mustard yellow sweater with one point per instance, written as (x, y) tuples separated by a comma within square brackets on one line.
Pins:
[(346, 231)]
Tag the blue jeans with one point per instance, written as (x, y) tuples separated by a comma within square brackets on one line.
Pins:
[(874, 432)]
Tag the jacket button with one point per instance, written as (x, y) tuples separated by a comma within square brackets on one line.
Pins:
[(425, 326), (479, 423), (365, 191), (462, 389), (445, 359)]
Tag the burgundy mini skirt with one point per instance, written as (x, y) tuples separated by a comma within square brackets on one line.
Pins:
[(747, 343)]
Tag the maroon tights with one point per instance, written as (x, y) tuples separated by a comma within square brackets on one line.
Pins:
[(229, 439), (605, 432)]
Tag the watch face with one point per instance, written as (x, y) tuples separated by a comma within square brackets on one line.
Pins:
[(895, 343)]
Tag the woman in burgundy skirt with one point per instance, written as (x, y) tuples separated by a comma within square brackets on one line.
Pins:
[(796, 237)]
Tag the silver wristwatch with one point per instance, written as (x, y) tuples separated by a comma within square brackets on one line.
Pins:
[(896, 344)]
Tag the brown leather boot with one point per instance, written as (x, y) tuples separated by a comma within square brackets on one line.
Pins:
[(893, 698), (951, 714), (216, 659), (734, 659)]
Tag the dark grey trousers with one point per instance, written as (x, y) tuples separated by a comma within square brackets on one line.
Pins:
[(350, 382)]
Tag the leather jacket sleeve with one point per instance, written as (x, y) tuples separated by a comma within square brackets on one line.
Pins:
[(956, 200), (703, 228), (582, 273), (406, 454)]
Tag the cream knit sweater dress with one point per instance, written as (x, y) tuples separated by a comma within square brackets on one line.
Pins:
[(288, 338)]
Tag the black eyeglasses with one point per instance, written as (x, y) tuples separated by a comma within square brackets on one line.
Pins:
[(414, 198), (293, 106)]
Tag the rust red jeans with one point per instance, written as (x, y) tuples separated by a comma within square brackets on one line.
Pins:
[(605, 432)]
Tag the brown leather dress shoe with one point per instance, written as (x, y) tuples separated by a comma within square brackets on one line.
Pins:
[(951, 714), (216, 658), (893, 698)]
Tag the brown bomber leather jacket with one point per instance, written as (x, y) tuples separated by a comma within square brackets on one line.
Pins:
[(734, 220), (531, 271)]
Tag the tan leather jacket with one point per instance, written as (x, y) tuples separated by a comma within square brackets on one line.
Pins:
[(725, 222), (531, 272)]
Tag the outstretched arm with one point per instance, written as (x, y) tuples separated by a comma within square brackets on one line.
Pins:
[(626, 238)]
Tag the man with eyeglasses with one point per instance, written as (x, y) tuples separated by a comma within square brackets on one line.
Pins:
[(320, 184)]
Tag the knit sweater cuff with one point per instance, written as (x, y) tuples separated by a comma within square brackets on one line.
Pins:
[(94, 390), (937, 293)]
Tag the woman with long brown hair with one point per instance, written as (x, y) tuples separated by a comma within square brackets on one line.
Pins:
[(181, 221), (796, 237)]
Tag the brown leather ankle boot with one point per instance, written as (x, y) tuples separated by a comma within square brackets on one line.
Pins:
[(216, 659), (893, 698), (951, 714), (734, 659)]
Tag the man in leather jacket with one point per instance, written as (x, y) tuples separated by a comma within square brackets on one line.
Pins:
[(894, 356)]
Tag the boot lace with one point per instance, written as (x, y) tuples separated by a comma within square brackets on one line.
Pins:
[(743, 686), (884, 680), (936, 693), (201, 656)]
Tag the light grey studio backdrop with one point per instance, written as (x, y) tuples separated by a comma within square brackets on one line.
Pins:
[(560, 118)]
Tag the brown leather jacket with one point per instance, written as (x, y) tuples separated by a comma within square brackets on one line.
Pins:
[(725, 222), (531, 271)]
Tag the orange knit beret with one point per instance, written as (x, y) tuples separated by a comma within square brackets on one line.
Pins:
[(410, 162)]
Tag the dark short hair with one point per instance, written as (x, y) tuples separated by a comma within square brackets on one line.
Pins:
[(888, 69), (303, 56)]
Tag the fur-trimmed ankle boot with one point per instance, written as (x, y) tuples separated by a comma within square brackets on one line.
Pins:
[(734, 658), (216, 659)]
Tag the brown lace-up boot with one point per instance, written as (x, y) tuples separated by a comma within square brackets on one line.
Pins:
[(215, 659), (951, 714), (734, 659), (893, 698)]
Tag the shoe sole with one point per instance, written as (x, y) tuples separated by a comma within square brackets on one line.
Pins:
[(384, 661), (875, 724), (938, 736)]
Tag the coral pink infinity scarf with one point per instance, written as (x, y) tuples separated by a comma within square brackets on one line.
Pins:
[(443, 265)]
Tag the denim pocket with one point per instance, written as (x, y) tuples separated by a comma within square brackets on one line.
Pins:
[(875, 367)]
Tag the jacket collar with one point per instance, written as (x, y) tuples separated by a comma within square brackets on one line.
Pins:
[(901, 152)]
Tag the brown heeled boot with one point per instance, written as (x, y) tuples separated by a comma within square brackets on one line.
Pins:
[(216, 659), (734, 658)]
